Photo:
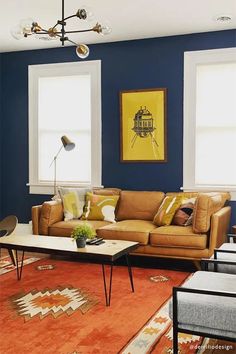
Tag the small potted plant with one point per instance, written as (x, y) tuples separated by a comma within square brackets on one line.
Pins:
[(81, 233)]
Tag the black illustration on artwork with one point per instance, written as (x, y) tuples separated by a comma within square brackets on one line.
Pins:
[(144, 127)]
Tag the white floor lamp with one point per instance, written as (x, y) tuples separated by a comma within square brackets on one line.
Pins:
[(68, 146)]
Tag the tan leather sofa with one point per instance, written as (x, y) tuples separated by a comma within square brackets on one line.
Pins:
[(134, 214)]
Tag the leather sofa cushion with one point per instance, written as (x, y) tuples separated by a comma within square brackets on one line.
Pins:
[(130, 230), (177, 236), (64, 228), (206, 205), (138, 205)]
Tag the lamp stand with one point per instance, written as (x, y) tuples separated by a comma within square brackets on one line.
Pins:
[(55, 170), (68, 146)]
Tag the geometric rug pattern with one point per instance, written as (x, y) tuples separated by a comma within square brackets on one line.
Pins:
[(44, 317), (150, 333), (159, 278), (7, 266), (159, 327), (54, 302), (156, 337)]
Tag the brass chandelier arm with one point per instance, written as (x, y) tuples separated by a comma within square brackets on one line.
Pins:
[(67, 18), (69, 40), (43, 31), (79, 31)]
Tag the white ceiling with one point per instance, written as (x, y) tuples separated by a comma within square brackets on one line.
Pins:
[(129, 19)]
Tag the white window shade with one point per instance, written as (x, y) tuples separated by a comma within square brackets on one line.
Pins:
[(210, 120), (215, 124), (64, 99), (71, 116)]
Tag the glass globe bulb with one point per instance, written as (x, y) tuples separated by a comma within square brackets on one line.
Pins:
[(17, 32), (82, 51), (26, 25), (105, 28), (85, 13), (89, 12)]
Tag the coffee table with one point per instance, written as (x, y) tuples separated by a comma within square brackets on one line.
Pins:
[(105, 254)]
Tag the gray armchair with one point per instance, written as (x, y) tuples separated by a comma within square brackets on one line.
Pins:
[(206, 306)]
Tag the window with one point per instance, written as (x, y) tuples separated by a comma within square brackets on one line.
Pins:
[(64, 99), (210, 120)]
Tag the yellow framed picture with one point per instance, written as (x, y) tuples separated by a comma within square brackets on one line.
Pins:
[(143, 125)]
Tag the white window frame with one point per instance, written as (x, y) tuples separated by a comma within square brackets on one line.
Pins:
[(191, 60), (64, 69)]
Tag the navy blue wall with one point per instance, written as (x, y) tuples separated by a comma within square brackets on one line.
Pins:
[(125, 65)]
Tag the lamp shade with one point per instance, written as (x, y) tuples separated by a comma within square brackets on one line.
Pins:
[(68, 145)]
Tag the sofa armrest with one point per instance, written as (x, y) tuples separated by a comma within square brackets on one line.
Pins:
[(52, 212), (35, 215), (219, 228)]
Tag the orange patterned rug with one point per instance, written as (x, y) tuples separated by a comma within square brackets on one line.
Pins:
[(7, 266), (61, 310)]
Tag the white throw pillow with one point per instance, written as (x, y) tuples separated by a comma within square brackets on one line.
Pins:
[(73, 200)]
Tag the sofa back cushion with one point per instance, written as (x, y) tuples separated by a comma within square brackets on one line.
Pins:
[(206, 205), (138, 205)]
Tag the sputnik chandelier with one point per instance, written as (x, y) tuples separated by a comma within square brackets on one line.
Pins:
[(28, 27)]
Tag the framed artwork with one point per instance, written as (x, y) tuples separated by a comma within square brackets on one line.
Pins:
[(143, 125)]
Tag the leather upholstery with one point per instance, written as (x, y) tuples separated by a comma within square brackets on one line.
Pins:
[(172, 252), (206, 205), (36, 212), (164, 242), (51, 212), (130, 230), (219, 228), (138, 205), (64, 228), (177, 236)]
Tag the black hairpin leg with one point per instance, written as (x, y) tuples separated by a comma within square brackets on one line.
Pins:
[(107, 296), (19, 269), (130, 272), (13, 257)]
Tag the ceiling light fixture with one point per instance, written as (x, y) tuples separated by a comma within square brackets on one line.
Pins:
[(29, 27)]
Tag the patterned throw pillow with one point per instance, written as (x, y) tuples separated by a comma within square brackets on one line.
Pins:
[(167, 210), (73, 200), (100, 207), (184, 215)]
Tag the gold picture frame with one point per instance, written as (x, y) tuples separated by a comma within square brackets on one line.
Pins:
[(143, 125)]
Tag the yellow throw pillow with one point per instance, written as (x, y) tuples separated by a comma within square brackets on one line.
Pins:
[(167, 210), (100, 207)]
